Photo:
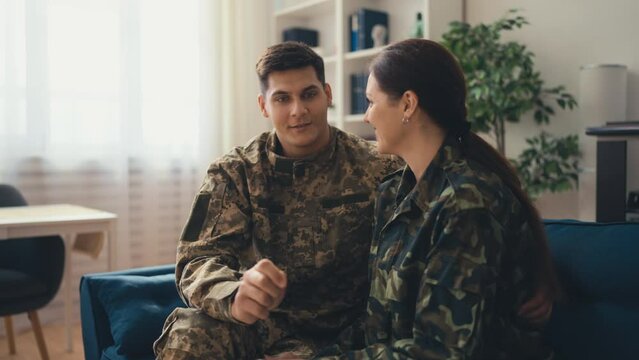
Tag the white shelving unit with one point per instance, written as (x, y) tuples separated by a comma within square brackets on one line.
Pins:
[(330, 18)]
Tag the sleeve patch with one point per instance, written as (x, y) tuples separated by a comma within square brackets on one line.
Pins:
[(200, 210)]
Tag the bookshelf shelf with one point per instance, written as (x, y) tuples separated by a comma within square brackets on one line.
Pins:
[(363, 54), (331, 18), (330, 60), (306, 9)]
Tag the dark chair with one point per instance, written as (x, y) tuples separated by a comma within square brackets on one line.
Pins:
[(30, 274)]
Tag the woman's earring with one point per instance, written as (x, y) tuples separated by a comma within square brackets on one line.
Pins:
[(404, 120)]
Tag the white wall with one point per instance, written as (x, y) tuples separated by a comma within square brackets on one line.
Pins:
[(242, 36), (250, 40), (565, 35)]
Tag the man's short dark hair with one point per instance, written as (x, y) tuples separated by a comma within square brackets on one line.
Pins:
[(286, 56)]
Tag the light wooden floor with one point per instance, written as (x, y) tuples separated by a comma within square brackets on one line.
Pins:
[(54, 336)]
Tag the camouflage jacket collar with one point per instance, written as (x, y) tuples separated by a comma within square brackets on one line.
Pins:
[(433, 181), (290, 166)]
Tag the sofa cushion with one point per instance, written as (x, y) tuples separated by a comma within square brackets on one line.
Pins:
[(596, 261), (137, 307), (597, 266), (111, 353), (597, 330)]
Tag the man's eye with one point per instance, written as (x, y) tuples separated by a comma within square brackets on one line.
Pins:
[(309, 94), (281, 99)]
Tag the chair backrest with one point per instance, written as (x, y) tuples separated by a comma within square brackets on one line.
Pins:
[(39, 257), (10, 196)]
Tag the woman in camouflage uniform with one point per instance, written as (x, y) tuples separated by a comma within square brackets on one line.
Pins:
[(458, 246)]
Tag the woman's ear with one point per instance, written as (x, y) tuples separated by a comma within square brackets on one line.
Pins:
[(410, 101)]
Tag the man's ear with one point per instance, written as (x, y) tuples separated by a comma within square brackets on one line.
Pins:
[(329, 93), (261, 103)]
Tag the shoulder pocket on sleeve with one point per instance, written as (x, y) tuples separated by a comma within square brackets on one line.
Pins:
[(194, 225), (206, 206)]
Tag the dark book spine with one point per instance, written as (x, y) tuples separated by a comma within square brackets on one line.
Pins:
[(362, 99), (354, 32), (358, 93), (353, 93)]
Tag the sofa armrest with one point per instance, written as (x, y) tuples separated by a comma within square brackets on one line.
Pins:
[(96, 329)]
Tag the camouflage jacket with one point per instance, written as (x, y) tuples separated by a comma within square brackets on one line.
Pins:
[(311, 217), (449, 266)]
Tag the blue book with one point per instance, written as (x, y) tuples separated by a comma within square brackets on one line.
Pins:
[(358, 93), (363, 79), (354, 31), (367, 19), (355, 93)]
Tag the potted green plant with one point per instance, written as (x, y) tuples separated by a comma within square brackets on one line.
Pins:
[(503, 86)]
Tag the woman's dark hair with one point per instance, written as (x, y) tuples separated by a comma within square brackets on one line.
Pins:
[(433, 73), (286, 56)]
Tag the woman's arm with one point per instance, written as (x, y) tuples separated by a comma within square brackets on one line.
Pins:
[(456, 288)]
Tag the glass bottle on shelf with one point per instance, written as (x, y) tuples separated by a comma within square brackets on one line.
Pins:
[(418, 27)]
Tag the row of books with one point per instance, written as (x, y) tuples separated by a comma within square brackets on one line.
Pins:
[(368, 29), (358, 93)]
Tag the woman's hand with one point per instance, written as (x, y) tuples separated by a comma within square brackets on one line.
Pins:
[(538, 309)]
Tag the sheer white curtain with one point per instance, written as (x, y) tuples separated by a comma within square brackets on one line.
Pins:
[(119, 105)]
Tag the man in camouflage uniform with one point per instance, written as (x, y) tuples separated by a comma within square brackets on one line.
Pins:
[(274, 255), (450, 265)]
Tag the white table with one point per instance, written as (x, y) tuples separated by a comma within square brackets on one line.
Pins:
[(68, 221)]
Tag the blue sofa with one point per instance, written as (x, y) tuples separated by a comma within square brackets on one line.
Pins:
[(123, 312)]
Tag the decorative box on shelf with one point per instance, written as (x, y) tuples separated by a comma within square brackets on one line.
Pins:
[(309, 37)]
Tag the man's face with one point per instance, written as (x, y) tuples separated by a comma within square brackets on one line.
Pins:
[(297, 103)]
